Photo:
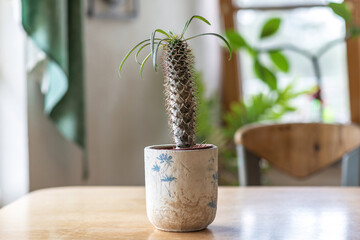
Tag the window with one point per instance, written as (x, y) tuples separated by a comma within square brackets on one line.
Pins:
[(309, 28)]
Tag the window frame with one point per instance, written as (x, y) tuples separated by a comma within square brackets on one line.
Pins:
[(232, 82)]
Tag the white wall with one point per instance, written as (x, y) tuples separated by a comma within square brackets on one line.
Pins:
[(13, 127), (124, 115)]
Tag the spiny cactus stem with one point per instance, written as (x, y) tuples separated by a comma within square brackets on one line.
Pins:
[(180, 92)]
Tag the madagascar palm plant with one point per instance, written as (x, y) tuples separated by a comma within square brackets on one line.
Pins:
[(179, 80)]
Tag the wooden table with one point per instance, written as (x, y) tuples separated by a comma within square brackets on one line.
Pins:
[(243, 213)]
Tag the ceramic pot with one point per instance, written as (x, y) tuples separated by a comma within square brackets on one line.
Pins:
[(181, 187)]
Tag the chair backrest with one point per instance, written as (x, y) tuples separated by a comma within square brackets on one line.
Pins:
[(299, 149)]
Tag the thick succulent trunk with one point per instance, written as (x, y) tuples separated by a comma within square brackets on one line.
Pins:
[(181, 101)]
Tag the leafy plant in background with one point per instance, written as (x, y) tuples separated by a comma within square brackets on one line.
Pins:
[(277, 56), (209, 117), (270, 106), (260, 107), (180, 87)]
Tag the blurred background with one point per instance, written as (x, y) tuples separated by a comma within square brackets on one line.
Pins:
[(66, 118)]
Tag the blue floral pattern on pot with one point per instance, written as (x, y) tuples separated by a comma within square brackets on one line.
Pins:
[(214, 179), (212, 204), (160, 168), (164, 158), (156, 168), (178, 184)]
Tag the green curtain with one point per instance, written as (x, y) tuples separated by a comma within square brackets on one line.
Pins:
[(55, 26)]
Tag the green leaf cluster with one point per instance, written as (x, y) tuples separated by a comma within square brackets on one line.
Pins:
[(279, 61), (168, 38), (261, 107)]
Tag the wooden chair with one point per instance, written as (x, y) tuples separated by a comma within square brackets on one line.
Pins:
[(298, 149)]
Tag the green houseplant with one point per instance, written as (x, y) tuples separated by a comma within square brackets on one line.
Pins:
[(276, 54), (181, 178), (269, 105)]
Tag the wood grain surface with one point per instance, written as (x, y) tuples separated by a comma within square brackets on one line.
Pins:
[(243, 213), (299, 149)]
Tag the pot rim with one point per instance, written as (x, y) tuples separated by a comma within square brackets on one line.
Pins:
[(168, 147)]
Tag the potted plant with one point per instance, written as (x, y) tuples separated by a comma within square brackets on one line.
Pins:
[(180, 178)]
